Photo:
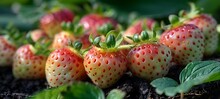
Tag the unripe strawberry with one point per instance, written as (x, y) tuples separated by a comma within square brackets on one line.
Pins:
[(64, 66), (104, 62), (92, 22), (51, 22), (149, 59), (207, 24), (186, 42), (137, 27), (28, 65), (7, 50)]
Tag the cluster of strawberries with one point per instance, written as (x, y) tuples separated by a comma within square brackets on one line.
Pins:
[(105, 58)]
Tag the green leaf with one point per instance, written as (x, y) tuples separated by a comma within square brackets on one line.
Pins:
[(162, 83), (80, 90), (53, 93), (199, 70), (116, 94), (194, 73)]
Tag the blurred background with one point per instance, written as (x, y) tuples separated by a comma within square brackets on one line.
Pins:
[(25, 14)]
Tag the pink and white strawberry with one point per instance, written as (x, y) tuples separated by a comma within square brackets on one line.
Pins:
[(65, 65), (137, 27), (207, 24), (149, 59), (9, 41), (104, 62), (51, 22), (92, 22), (186, 41), (7, 50), (38, 34), (62, 39), (27, 64)]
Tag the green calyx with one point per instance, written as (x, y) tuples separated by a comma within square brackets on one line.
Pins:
[(144, 37), (103, 30), (155, 30), (194, 11), (41, 47), (13, 35), (112, 41), (73, 27), (77, 48)]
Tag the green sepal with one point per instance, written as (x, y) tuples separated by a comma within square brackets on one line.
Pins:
[(103, 30), (144, 35), (42, 49), (119, 39), (173, 19), (110, 41), (136, 38), (96, 41), (29, 39), (77, 45), (91, 38)]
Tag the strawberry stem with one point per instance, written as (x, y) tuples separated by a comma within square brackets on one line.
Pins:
[(125, 47)]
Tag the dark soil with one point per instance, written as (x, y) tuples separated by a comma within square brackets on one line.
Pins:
[(135, 88)]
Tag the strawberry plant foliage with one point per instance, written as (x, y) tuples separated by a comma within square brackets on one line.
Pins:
[(77, 90), (194, 73)]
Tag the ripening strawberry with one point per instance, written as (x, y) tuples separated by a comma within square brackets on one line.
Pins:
[(137, 27), (207, 24), (65, 65), (38, 34), (149, 59), (9, 41), (51, 22), (7, 50), (186, 41), (104, 62), (27, 64), (92, 22), (62, 39)]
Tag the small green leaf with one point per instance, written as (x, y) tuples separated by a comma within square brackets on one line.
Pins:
[(116, 94), (162, 83), (53, 93), (80, 90)]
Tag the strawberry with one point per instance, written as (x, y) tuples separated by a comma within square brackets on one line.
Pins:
[(186, 41), (92, 22), (7, 49), (137, 27), (104, 62), (62, 39), (9, 41), (38, 34), (50, 23), (149, 59), (27, 64), (207, 24), (65, 65)]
